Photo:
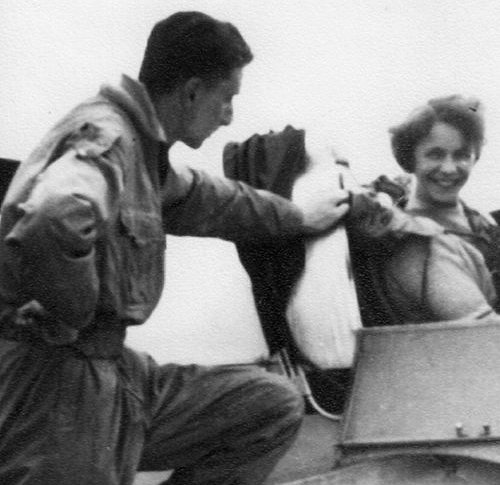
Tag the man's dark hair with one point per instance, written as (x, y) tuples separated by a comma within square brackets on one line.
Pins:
[(463, 114), (191, 44)]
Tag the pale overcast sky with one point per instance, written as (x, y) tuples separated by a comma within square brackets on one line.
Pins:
[(349, 69)]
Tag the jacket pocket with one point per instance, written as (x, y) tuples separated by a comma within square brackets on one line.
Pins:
[(142, 255)]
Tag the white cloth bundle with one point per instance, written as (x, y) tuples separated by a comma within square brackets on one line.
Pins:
[(323, 312)]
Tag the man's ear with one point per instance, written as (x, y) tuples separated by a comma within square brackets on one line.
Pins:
[(191, 90)]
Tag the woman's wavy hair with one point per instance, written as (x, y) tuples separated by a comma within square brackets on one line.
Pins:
[(463, 114)]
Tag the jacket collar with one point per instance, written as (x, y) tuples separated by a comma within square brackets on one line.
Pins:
[(131, 96)]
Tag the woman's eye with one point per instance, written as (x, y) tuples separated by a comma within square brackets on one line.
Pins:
[(462, 155), (435, 154)]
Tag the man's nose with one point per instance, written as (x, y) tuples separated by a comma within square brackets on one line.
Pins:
[(227, 116)]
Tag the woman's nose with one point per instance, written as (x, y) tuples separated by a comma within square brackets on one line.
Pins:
[(448, 165)]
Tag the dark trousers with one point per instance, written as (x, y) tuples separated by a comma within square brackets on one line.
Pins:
[(67, 419)]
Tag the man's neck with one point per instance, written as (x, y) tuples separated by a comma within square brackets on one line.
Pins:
[(169, 114)]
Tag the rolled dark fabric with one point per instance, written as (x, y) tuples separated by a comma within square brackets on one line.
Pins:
[(8, 168), (272, 162), (496, 216)]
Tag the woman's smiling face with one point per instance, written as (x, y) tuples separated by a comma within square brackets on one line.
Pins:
[(443, 163)]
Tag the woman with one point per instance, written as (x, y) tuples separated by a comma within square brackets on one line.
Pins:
[(449, 275), (440, 144)]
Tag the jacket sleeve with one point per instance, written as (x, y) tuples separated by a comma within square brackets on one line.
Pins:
[(373, 215), (196, 204), (55, 234)]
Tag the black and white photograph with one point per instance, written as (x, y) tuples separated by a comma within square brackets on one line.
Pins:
[(250, 243)]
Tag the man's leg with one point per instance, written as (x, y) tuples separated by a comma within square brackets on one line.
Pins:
[(225, 425), (66, 419)]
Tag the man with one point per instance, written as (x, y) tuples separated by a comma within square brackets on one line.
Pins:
[(81, 258)]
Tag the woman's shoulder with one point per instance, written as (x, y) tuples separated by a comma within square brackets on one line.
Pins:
[(480, 219)]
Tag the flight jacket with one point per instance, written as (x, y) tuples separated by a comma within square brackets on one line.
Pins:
[(82, 232)]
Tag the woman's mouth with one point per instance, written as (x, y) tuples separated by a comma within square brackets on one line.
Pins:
[(447, 183)]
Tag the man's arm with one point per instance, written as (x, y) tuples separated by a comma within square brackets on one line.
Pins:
[(55, 236), (197, 204)]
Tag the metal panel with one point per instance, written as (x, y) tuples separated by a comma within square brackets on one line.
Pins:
[(427, 383), (409, 470)]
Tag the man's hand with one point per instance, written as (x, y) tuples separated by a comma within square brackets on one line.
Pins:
[(323, 203), (322, 213)]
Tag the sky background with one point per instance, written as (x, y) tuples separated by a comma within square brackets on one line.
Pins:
[(347, 70)]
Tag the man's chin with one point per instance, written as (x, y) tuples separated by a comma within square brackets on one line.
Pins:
[(194, 144)]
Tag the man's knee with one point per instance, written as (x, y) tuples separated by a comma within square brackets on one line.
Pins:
[(278, 400), (288, 393)]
